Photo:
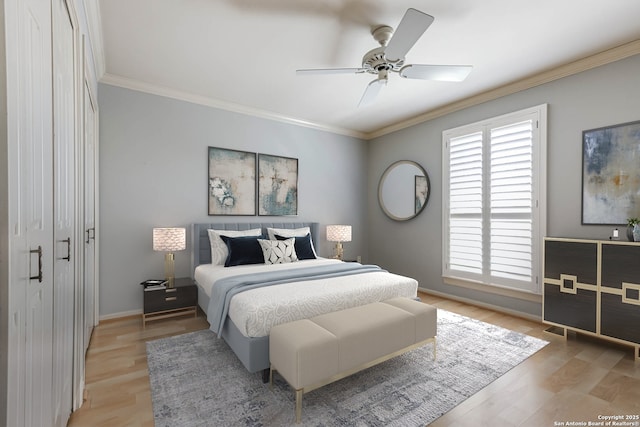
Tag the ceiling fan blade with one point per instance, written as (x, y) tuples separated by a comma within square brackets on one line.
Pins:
[(372, 91), (413, 25), (330, 71), (443, 73)]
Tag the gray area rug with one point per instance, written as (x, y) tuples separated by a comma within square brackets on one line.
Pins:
[(196, 380)]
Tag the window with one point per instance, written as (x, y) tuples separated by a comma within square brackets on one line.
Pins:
[(493, 200)]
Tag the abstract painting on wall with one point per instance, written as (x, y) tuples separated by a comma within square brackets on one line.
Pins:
[(277, 185), (610, 174), (232, 182)]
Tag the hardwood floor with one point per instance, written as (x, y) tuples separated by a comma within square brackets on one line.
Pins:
[(577, 380), (117, 380)]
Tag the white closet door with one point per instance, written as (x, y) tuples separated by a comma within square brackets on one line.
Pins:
[(64, 125), (29, 125)]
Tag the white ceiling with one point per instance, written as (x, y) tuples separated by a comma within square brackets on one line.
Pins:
[(242, 54)]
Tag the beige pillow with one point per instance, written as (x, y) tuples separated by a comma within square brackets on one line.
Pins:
[(287, 232), (219, 251)]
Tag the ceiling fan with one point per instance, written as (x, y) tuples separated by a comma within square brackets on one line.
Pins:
[(389, 57)]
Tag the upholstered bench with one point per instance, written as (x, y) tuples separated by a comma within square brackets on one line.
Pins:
[(311, 353)]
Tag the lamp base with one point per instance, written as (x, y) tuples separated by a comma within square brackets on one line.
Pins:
[(338, 251), (169, 269)]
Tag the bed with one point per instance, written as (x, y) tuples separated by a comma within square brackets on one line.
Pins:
[(245, 321)]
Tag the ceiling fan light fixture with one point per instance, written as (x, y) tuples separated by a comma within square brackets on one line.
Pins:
[(390, 57)]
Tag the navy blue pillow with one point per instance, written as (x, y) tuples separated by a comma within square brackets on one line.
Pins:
[(303, 246), (243, 250)]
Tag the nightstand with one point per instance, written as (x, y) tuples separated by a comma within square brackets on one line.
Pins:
[(180, 300)]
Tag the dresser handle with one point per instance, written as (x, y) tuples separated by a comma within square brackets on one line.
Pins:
[(171, 290), (171, 298)]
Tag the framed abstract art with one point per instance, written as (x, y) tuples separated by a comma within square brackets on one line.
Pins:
[(232, 182), (610, 174), (277, 185)]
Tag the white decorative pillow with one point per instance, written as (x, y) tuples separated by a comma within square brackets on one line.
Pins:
[(278, 251), (219, 251), (287, 232)]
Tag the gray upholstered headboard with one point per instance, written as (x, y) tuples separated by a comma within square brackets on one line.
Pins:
[(201, 249)]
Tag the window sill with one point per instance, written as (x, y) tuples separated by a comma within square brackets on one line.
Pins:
[(493, 289)]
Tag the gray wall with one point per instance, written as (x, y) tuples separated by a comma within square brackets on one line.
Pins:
[(153, 173), (602, 96), (153, 159)]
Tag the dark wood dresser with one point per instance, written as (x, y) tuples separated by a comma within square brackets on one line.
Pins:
[(593, 287)]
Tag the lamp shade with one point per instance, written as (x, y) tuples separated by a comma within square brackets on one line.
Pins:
[(169, 239), (339, 233)]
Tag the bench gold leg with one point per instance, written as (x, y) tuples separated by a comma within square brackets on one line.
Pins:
[(298, 406)]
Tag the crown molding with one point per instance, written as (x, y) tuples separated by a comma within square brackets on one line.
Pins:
[(114, 80), (584, 64)]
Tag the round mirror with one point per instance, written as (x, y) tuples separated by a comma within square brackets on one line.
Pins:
[(403, 191)]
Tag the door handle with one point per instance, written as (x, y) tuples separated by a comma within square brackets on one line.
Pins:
[(68, 242), (39, 252), (89, 236)]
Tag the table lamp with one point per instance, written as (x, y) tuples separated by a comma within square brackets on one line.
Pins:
[(169, 240), (338, 234)]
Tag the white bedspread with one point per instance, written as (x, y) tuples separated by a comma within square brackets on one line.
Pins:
[(254, 312)]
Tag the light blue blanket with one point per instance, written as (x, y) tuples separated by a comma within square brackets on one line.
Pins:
[(224, 289)]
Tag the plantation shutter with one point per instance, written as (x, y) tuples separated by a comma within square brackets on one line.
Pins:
[(511, 189), (492, 223), (465, 202)]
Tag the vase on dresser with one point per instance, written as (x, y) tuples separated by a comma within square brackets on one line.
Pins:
[(636, 232)]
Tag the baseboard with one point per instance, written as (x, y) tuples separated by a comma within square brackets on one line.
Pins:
[(498, 308), (121, 314)]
